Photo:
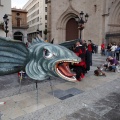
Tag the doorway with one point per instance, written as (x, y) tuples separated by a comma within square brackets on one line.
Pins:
[(71, 30)]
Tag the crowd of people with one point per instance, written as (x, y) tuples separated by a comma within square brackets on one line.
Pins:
[(112, 49), (84, 51), (112, 64)]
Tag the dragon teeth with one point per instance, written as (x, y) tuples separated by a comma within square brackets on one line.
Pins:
[(69, 62), (67, 78)]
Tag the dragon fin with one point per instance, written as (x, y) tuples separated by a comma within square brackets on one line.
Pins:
[(37, 39), (69, 44), (14, 56)]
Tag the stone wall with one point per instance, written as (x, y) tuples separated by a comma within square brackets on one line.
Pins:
[(22, 16), (100, 13), (93, 28)]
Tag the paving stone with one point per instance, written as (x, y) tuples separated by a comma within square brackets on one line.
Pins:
[(2, 87), (0, 116), (59, 93), (100, 109), (65, 97), (33, 108), (107, 102), (9, 104), (74, 91), (81, 96), (83, 114), (114, 97), (65, 86), (114, 114), (26, 102), (12, 113), (50, 101)]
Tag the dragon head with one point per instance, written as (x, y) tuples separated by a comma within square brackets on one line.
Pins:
[(50, 60)]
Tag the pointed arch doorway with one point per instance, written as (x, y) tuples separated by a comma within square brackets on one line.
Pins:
[(71, 30)]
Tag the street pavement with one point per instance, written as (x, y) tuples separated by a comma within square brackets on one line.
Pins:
[(93, 98)]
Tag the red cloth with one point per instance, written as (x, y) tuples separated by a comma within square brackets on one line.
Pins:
[(90, 47), (82, 63), (102, 46), (82, 75), (18, 74)]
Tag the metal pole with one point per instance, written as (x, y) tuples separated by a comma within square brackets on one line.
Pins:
[(6, 34), (80, 33), (36, 85), (51, 86), (6, 31)]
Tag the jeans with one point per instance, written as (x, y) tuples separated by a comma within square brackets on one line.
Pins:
[(112, 53), (112, 68), (108, 53)]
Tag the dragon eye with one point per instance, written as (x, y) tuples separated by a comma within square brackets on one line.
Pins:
[(47, 54)]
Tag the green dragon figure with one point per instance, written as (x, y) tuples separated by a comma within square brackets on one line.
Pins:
[(40, 60)]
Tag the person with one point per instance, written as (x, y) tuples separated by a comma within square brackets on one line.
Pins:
[(87, 60), (87, 56), (81, 66), (84, 44), (113, 64), (117, 52), (93, 48), (113, 48), (102, 49), (90, 51), (109, 49)]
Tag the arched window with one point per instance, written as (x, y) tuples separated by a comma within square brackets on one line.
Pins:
[(18, 36), (18, 22)]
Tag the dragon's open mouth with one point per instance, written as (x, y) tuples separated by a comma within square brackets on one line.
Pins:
[(63, 70)]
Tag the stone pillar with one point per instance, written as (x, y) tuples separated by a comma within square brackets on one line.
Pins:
[(49, 20)]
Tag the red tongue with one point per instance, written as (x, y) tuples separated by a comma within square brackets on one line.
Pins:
[(64, 68)]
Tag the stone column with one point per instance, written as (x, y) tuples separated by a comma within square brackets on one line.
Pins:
[(49, 20)]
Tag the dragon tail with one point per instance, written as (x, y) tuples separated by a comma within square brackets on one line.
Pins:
[(13, 56)]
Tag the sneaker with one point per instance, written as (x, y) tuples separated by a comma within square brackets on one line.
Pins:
[(114, 70), (117, 68)]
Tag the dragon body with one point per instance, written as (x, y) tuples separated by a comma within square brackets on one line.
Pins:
[(40, 60)]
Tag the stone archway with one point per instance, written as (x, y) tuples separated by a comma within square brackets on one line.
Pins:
[(113, 34), (18, 36), (63, 21)]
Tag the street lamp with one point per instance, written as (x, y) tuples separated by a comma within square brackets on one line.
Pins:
[(81, 21), (5, 18)]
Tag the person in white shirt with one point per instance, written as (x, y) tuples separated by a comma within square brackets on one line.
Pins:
[(113, 48)]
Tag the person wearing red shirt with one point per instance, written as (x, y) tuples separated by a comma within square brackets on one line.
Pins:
[(102, 49)]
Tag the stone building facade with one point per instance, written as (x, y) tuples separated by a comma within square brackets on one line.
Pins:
[(103, 22), (19, 24)]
